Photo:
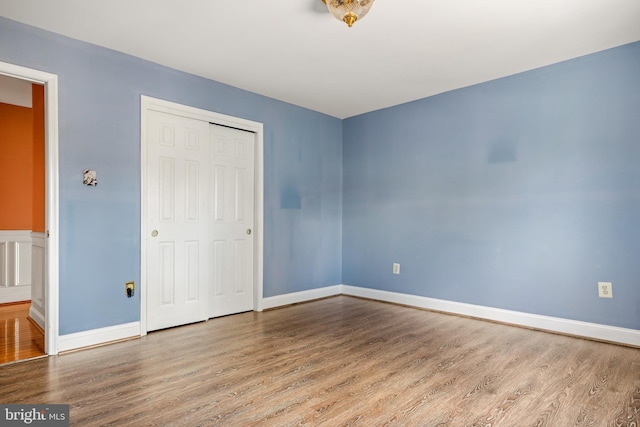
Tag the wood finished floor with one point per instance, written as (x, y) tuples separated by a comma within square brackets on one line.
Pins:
[(19, 338), (339, 362)]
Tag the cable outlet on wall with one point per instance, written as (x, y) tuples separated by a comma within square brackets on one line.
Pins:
[(129, 288), (605, 290), (396, 268)]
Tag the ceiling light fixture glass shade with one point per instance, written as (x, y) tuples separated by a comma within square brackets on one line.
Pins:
[(349, 11)]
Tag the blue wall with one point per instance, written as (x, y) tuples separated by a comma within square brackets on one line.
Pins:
[(520, 193), (99, 121)]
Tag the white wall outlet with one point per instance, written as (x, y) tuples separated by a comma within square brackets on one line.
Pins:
[(396, 268), (605, 290)]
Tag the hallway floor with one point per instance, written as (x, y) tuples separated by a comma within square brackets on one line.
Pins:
[(19, 337)]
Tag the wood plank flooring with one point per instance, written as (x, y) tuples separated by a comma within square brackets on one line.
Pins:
[(340, 361), (19, 338)]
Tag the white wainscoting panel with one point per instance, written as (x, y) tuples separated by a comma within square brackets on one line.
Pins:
[(37, 310), (15, 265)]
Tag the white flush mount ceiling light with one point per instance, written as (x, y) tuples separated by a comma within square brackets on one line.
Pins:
[(349, 11)]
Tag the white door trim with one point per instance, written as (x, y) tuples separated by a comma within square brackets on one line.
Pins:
[(146, 104), (52, 268)]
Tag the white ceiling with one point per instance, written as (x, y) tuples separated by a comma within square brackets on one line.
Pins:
[(15, 91), (295, 51)]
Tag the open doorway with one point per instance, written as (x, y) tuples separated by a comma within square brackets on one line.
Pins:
[(29, 227), (22, 219)]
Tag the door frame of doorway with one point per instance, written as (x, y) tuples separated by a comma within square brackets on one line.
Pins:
[(52, 266)]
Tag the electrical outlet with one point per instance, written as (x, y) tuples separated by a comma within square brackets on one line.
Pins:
[(129, 288), (396, 268), (605, 290)]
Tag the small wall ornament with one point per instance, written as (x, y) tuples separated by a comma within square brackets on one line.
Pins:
[(89, 178)]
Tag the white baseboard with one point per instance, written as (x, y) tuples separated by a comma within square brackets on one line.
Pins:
[(545, 323), (535, 321), (98, 336), (37, 315), (303, 296), (595, 331), (14, 294)]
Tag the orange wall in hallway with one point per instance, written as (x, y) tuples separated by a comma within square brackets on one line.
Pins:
[(16, 167), (38, 159)]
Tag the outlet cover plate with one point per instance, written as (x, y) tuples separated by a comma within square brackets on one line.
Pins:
[(396, 268), (605, 290)]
